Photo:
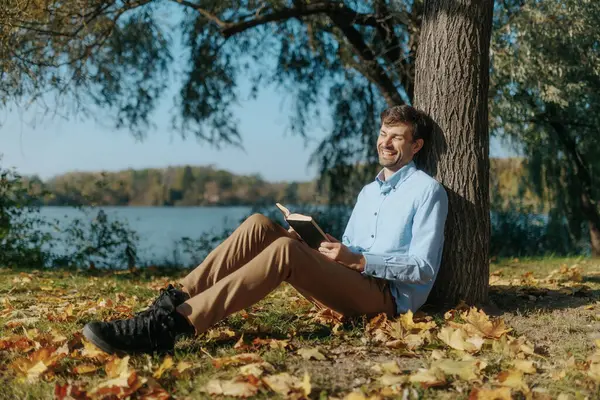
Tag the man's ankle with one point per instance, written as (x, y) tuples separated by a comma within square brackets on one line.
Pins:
[(183, 326)]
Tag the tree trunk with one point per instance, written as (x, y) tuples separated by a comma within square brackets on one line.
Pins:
[(591, 213), (451, 85)]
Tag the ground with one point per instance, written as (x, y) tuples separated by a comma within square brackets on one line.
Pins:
[(535, 339)]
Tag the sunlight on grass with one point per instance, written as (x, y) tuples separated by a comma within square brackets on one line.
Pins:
[(543, 344)]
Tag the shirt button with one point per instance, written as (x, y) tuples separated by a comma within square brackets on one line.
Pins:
[(375, 213), (372, 236)]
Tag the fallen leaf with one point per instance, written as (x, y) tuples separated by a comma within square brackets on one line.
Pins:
[(408, 323), (286, 384), (256, 369), (85, 369), (166, 365), (308, 353), (391, 380), (244, 358), (91, 351), (431, 377), (183, 366), (34, 373), (525, 366), (234, 388), (478, 323), (513, 379), (502, 393), (116, 366), (220, 334), (127, 383), (69, 391), (459, 340), (152, 390), (465, 370), (390, 367)]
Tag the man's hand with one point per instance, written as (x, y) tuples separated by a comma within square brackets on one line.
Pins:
[(342, 254)]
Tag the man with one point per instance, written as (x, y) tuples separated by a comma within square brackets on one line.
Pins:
[(386, 263)]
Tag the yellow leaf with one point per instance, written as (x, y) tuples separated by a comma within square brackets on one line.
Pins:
[(85, 369), (429, 377), (457, 339), (391, 380), (306, 386), (239, 359), (34, 373), (166, 365), (502, 393), (285, 384), (308, 353), (121, 387), (220, 334), (91, 351), (479, 323), (234, 388), (465, 370), (116, 366), (183, 366), (594, 371), (410, 325), (525, 366), (390, 367), (256, 369), (513, 379)]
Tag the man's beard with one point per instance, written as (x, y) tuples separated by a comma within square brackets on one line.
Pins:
[(396, 162)]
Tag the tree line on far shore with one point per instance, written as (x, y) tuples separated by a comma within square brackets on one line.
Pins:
[(208, 186)]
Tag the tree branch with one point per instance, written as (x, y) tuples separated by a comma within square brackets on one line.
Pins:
[(230, 28), (374, 72)]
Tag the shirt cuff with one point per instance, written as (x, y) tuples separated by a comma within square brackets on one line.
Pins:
[(374, 265)]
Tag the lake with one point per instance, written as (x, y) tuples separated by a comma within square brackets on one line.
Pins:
[(159, 227)]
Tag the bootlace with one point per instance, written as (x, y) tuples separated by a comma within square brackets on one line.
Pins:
[(163, 293)]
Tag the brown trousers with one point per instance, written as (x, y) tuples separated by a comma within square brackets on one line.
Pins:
[(259, 256)]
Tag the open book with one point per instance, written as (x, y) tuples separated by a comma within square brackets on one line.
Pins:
[(305, 226)]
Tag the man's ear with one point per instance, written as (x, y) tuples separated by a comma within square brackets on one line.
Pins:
[(417, 145)]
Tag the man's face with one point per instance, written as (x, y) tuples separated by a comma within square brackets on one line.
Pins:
[(395, 146)]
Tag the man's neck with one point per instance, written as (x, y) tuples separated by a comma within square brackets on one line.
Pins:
[(387, 173)]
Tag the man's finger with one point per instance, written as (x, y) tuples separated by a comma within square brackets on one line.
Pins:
[(328, 245)]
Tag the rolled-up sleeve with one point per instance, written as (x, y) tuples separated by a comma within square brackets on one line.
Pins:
[(422, 261)]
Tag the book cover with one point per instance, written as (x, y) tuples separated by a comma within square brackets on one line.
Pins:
[(305, 226)]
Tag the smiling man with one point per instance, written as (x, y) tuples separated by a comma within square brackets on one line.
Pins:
[(387, 261)]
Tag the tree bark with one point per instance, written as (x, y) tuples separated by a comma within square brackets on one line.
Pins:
[(451, 85)]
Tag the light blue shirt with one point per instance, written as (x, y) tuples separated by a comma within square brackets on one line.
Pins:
[(398, 225)]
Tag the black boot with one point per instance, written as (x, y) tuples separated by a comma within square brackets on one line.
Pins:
[(153, 330), (176, 296)]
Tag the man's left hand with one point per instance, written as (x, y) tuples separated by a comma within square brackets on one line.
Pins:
[(342, 254)]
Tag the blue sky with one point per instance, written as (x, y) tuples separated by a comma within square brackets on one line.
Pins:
[(52, 145)]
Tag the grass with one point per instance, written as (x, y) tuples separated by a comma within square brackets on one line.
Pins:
[(558, 314)]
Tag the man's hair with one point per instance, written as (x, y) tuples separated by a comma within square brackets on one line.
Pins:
[(408, 115)]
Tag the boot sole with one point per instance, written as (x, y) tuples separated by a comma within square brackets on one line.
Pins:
[(101, 344)]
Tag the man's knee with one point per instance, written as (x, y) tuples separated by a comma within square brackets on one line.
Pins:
[(258, 220)]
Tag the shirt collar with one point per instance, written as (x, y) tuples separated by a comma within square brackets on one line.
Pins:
[(396, 179)]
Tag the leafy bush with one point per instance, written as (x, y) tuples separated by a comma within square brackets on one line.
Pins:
[(27, 239), (21, 240)]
